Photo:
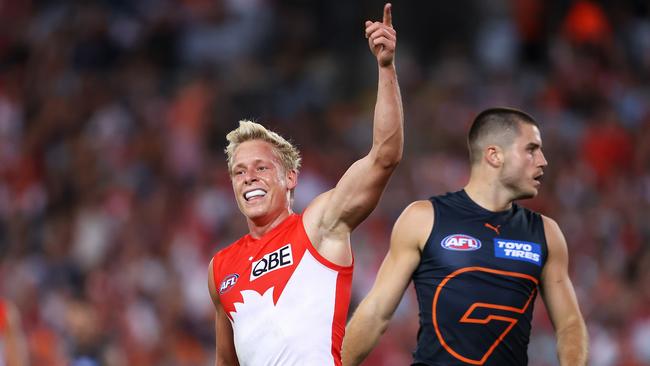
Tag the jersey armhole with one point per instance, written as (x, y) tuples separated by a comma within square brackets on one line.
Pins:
[(435, 222), (322, 260), (215, 273), (545, 243)]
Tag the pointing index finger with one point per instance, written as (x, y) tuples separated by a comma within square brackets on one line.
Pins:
[(388, 17)]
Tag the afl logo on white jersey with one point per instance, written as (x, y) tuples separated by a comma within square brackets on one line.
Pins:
[(228, 282), (460, 242)]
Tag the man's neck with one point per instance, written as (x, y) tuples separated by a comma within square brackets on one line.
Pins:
[(488, 194), (260, 226)]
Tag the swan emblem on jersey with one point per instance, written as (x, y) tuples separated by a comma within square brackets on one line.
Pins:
[(286, 314)]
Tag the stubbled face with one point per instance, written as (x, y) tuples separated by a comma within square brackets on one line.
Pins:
[(524, 163), (260, 183)]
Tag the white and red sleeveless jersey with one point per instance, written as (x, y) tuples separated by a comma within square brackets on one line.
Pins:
[(287, 304)]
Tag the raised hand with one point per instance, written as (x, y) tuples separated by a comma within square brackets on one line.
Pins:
[(382, 38)]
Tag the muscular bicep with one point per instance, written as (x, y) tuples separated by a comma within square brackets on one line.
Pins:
[(331, 216), (355, 196), (557, 290), (409, 234), (560, 299)]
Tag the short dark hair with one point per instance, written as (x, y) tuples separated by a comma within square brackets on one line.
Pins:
[(499, 125)]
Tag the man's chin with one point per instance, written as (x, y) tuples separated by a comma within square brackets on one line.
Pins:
[(252, 212), (526, 195)]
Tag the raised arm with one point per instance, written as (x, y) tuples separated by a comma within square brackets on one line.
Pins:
[(560, 299), (373, 314), (225, 345), (358, 191)]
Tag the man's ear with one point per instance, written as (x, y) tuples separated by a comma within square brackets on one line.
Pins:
[(494, 155), (292, 179)]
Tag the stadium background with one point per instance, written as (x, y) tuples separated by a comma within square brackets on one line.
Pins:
[(113, 185)]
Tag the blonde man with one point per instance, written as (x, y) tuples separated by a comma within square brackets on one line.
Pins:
[(282, 291)]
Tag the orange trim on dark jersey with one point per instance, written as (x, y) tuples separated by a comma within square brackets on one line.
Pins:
[(492, 227), (466, 317)]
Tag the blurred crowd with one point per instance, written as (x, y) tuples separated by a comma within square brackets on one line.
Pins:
[(114, 193)]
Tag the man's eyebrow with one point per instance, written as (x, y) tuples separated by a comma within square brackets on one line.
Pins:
[(256, 161)]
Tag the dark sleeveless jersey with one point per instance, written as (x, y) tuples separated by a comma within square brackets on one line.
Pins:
[(476, 283)]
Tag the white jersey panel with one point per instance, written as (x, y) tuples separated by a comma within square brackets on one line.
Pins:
[(295, 332)]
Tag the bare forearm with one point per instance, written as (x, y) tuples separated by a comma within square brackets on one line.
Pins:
[(361, 336), (572, 345), (388, 134)]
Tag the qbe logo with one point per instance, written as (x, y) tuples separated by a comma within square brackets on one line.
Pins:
[(272, 261), (228, 282)]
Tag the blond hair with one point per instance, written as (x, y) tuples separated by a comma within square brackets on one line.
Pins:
[(248, 130)]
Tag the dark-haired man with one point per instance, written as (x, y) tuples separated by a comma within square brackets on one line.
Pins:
[(477, 261)]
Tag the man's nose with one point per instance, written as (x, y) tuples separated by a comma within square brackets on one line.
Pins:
[(250, 177), (542, 160)]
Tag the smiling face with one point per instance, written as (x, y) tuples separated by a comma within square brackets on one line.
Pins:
[(524, 162), (260, 182)]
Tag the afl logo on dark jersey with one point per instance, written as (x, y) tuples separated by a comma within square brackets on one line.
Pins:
[(460, 242), (228, 282)]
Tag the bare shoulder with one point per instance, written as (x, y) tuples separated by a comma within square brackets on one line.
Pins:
[(313, 213), (555, 240), (549, 223), (420, 211), (414, 225), (552, 230), (212, 288)]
